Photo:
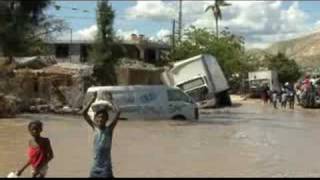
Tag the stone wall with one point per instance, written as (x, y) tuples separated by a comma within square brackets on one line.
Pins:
[(131, 76)]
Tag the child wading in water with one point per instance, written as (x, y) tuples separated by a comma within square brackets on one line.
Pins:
[(40, 152), (102, 165)]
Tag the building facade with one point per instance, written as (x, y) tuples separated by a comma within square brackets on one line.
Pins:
[(135, 48)]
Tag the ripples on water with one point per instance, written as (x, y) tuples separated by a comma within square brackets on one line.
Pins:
[(249, 141)]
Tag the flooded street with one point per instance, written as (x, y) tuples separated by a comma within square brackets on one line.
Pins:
[(248, 140)]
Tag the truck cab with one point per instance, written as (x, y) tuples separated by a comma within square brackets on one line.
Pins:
[(196, 87)]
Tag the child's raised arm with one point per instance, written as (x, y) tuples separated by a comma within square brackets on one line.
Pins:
[(114, 122), (85, 110)]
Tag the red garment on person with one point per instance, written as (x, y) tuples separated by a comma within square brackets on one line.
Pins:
[(37, 156)]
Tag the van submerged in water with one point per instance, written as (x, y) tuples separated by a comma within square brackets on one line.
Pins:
[(148, 102)]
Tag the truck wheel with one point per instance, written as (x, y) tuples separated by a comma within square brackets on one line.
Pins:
[(179, 117), (223, 99)]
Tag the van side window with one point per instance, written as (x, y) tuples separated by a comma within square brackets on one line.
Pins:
[(175, 95)]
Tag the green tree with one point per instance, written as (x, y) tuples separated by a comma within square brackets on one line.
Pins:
[(216, 11), (288, 70), (104, 52), (22, 25)]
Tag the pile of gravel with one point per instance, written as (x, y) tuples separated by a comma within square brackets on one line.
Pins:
[(136, 64)]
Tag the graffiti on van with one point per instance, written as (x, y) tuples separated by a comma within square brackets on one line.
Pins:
[(124, 99), (176, 108), (148, 97), (151, 110)]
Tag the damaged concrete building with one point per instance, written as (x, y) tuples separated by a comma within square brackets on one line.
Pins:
[(138, 47), (138, 54)]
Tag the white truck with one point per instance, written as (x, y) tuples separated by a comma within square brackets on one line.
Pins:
[(148, 102), (258, 79), (200, 77)]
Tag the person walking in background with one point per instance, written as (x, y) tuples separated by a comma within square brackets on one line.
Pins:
[(284, 97), (275, 99), (291, 95), (269, 93), (265, 95)]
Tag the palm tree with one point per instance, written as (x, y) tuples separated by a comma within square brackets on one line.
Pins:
[(215, 8)]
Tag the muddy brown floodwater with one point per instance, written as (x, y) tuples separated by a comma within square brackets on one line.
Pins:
[(249, 140)]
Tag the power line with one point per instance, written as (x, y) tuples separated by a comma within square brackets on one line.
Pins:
[(75, 17), (58, 7)]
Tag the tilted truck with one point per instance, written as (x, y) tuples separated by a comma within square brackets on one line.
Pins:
[(201, 78)]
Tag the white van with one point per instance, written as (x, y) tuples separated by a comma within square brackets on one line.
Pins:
[(149, 102)]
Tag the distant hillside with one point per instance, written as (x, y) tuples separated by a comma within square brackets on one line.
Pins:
[(305, 50)]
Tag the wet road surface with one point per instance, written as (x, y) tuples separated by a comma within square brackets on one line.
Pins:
[(248, 140)]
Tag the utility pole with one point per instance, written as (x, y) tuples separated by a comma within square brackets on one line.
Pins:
[(173, 38), (180, 19), (71, 35)]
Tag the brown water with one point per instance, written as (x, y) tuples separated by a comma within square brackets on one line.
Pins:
[(251, 140)]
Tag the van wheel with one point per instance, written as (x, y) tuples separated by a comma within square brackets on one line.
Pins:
[(179, 117)]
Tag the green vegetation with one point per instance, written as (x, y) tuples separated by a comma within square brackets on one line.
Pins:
[(104, 52), (288, 70), (22, 25)]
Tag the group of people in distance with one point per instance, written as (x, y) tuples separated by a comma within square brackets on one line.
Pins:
[(40, 151), (285, 96)]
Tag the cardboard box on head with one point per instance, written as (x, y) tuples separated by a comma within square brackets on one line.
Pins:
[(102, 102), (101, 105)]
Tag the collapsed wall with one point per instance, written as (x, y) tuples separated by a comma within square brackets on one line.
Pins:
[(49, 89), (134, 72)]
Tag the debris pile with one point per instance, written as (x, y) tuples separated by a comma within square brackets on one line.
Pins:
[(43, 86), (135, 72), (36, 62), (8, 106), (135, 64)]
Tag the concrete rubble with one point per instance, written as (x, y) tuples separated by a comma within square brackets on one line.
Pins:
[(43, 87), (36, 62), (134, 72), (8, 106), (134, 64)]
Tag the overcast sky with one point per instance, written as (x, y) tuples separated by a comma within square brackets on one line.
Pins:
[(259, 22)]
